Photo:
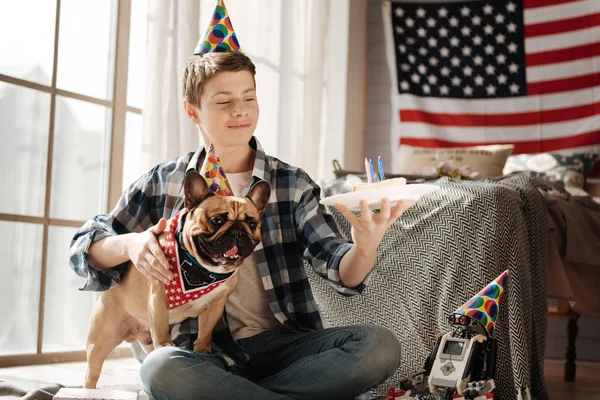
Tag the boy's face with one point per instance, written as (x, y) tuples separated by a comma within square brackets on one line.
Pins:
[(228, 110)]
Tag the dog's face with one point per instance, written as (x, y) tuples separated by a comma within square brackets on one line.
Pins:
[(221, 231)]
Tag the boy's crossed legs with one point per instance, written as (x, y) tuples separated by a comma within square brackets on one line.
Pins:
[(335, 363)]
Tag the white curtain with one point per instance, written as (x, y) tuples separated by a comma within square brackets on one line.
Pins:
[(285, 39)]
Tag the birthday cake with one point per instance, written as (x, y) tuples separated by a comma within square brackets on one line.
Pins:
[(378, 185)]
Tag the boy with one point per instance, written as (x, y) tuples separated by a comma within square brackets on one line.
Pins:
[(270, 342)]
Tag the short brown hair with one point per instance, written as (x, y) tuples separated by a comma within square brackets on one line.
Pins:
[(199, 69)]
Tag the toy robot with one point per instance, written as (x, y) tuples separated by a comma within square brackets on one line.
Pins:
[(462, 364)]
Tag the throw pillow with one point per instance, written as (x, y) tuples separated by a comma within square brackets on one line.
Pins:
[(487, 160), (570, 170)]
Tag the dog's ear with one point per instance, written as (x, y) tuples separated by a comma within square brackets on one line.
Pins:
[(259, 194), (195, 188)]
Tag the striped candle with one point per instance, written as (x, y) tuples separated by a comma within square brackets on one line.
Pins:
[(371, 170), (380, 164), (368, 171)]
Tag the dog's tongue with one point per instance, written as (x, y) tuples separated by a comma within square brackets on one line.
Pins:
[(232, 251)]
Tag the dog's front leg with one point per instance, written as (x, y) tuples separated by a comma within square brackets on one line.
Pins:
[(211, 315), (158, 313)]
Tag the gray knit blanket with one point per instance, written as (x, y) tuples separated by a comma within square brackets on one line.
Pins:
[(440, 253)]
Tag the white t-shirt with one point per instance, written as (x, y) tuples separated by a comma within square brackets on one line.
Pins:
[(248, 311)]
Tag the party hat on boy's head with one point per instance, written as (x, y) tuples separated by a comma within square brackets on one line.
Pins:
[(484, 306), (219, 36), (213, 172)]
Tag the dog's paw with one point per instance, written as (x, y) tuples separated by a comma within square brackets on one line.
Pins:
[(202, 348)]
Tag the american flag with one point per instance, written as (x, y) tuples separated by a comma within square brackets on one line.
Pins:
[(525, 72)]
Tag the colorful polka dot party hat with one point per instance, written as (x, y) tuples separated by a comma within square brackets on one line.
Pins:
[(484, 306), (220, 36), (213, 172)]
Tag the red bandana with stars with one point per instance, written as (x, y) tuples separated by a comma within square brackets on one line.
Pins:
[(188, 283)]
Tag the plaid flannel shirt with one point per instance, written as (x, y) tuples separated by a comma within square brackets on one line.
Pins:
[(295, 226)]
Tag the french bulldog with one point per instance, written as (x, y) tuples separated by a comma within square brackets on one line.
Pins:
[(205, 244)]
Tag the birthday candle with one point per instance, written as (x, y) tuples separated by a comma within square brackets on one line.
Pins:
[(367, 170), (380, 164), (371, 169)]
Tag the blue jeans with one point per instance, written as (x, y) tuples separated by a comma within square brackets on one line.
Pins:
[(335, 363)]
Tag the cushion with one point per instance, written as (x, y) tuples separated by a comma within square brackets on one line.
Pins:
[(570, 170), (487, 160)]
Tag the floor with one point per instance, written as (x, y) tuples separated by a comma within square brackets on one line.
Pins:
[(124, 373)]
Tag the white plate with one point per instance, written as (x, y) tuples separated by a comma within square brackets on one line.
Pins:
[(411, 192)]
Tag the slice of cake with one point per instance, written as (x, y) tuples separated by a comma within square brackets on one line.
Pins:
[(376, 185)]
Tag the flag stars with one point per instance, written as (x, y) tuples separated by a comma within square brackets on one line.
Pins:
[(402, 48), (468, 91), (465, 11), (478, 60), (491, 90), (512, 47), (454, 41), (399, 30), (405, 67), (476, 20), (411, 58), (444, 90), (455, 61), (479, 80), (432, 42), (456, 81), (422, 51), (431, 22), (422, 32), (442, 12), (426, 89), (513, 68), (415, 78), (432, 79), (514, 88), (501, 59), (512, 27), (444, 52), (490, 69), (499, 19), (421, 12), (467, 71), (500, 38), (502, 79), (410, 22), (477, 40), (422, 69), (453, 21), (404, 85), (433, 61), (489, 49), (443, 32), (466, 51), (511, 7), (488, 29), (466, 31), (445, 71), (410, 40), (488, 9), (399, 12)]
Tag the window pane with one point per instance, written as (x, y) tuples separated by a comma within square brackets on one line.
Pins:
[(27, 44), (20, 252), (133, 149), (80, 159), (136, 72), (86, 47), (66, 309), (25, 115)]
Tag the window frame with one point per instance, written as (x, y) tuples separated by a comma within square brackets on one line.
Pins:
[(115, 170)]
